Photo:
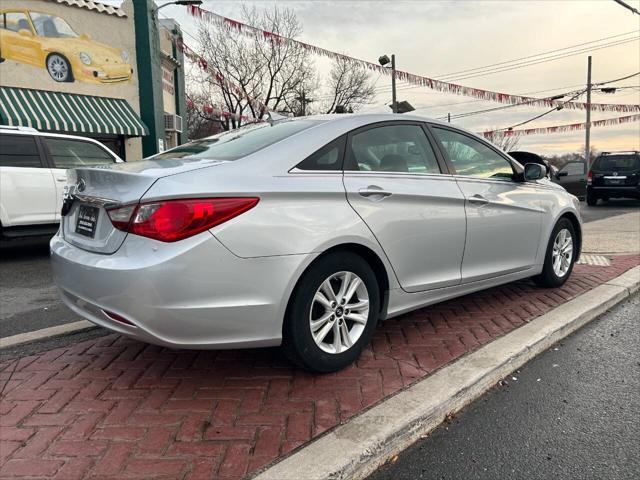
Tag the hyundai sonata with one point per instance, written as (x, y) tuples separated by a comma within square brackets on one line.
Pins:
[(304, 233)]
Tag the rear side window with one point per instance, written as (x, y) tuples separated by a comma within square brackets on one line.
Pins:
[(76, 153), (392, 148), (328, 157), (617, 162), (19, 151), (236, 144)]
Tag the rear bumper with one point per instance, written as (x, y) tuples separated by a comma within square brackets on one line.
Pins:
[(615, 192), (189, 294)]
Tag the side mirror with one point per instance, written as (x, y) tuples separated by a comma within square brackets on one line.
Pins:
[(23, 32), (534, 171)]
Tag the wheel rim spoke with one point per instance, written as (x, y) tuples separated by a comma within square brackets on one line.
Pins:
[(346, 338), (319, 323), (327, 289), (346, 280), (357, 318), (357, 306), (322, 300), (322, 334), (355, 283), (337, 341)]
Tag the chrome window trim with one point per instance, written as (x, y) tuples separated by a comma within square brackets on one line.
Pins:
[(377, 173)]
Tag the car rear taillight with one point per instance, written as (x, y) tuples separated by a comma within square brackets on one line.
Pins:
[(173, 220), (590, 177)]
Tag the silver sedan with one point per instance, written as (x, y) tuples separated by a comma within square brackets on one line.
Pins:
[(304, 233)]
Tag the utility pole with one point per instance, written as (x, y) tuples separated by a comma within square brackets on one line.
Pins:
[(587, 140), (394, 105), (303, 102)]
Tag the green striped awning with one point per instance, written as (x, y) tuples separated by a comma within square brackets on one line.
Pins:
[(68, 112)]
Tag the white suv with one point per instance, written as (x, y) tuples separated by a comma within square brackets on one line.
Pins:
[(33, 169)]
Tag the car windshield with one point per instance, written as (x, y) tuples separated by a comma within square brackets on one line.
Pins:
[(51, 26), (617, 162), (236, 144)]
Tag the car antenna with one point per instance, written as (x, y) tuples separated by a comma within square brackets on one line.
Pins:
[(274, 117)]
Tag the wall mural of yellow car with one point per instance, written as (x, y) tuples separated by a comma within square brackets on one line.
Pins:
[(48, 41)]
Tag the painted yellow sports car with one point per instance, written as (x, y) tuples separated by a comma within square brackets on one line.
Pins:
[(47, 41)]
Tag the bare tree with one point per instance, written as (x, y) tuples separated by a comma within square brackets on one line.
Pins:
[(508, 143), (349, 86), (202, 119), (268, 70)]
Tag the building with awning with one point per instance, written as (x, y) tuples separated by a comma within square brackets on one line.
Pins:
[(69, 113), (99, 70)]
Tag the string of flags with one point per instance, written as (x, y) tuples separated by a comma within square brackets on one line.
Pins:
[(419, 80), (573, 127)]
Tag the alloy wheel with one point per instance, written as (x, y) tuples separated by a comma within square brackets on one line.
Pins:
[(562, 252), (339, 312), (57, 67)]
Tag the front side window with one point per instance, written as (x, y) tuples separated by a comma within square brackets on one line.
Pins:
[(471, 157), (235, 144), (328, 157), (573, 168), (392, 148), (51, 26), (76, 153), (16, 21)]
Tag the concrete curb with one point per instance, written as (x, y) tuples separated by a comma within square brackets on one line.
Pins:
[(357, 448), (45, 333)]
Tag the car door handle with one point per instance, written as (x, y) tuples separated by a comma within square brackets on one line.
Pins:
[(373, 190), (478, 200), (61, 179)]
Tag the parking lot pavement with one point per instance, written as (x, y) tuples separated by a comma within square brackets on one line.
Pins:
[(30, 301), (570, 413), (116, 408)]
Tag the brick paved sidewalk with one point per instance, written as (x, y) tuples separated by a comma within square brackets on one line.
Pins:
[(117, 408)]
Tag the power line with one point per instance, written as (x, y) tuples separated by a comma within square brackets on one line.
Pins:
[(544, 60), (469, 70), (559, 107)]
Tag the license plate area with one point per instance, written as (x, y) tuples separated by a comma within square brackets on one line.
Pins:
[(87, 220)]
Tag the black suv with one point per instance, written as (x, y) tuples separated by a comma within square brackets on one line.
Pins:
[(614, 175)]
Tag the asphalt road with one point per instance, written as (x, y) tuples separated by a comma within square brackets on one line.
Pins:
[(570, 413), (29, 301)]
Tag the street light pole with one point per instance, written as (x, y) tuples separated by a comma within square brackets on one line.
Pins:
[(394, 104), (587, 140)]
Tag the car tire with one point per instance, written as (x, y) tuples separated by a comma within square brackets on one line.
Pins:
[(592, 200), (59, 68), (555, 271), (303, 341)]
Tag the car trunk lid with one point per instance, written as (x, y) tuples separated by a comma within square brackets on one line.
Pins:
[(90, 192)]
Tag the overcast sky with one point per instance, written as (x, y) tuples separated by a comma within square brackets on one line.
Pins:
[(434, 38)]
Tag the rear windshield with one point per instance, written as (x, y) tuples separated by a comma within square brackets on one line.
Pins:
[(236, 144), (617, 162)]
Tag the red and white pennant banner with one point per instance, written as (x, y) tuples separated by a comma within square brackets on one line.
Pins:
[(445, 87), (573, 127)]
